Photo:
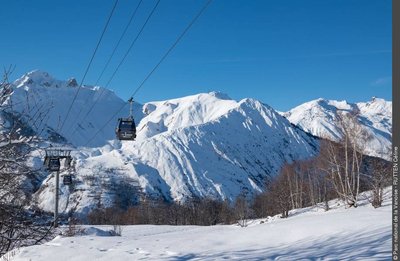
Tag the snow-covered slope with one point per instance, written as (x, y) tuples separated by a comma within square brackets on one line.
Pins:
[(44, 101), (220, 158), (183, 112), (220, 153), (200, 145), (319, 117), (363, 234)]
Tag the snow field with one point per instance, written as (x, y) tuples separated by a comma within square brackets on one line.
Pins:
[(362, 233)]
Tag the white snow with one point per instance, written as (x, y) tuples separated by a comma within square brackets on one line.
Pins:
[(218, 156), (44, 102), (183, 112), (200, 145), (362, 233), (318, 118)]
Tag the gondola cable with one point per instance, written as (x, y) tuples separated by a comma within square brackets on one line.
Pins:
[(88, 66), (126, 129), (53, 156), (119, 42), (119, 65), (154, 69)]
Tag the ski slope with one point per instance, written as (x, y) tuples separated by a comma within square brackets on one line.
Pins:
[(363, 233)]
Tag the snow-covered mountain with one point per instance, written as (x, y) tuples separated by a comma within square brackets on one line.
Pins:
[(221, 155), (200, 145), (319, 117), (44, 101), (204, 145)]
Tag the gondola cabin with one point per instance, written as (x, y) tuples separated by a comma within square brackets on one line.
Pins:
[(67, 179), (126, 129), (53, 164)]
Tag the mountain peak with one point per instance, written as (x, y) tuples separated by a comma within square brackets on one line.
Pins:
[(376, 106), (220, 95), (319, 118), (72, 82), (377, 100), (35, 77), (38, 74), (39, 78)]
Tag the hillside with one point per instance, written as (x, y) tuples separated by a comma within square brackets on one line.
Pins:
[(363, 234), (43, 102), (203, 145), (220, 157), (319, 117)]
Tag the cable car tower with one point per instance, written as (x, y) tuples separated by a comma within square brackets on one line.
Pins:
[(52, 163), (126, 129)]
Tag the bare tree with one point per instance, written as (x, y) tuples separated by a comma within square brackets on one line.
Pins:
[(242, 210), (343, 160), (378, 178), (279, 194), (19, 226)]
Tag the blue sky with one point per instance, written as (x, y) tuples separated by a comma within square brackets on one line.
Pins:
[(281, 52)]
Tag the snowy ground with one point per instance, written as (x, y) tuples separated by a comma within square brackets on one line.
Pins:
[(363, 233)]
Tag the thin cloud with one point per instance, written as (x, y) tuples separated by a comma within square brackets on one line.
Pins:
[(382, 81)]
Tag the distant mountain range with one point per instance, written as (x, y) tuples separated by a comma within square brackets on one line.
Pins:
[(204, 145), (320, 117)]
